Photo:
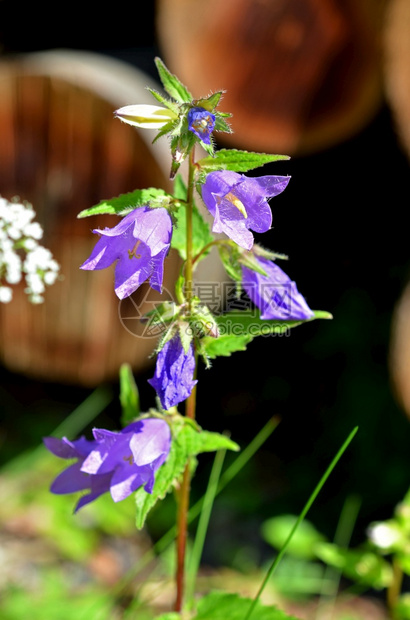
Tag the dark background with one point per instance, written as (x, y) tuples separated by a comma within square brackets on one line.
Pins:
[(341, 221)]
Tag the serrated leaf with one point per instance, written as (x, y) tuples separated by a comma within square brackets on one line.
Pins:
[(210, 442), (186, 443), (168, 128), (221, 124), (236, 160), (210, 103), (125, 203), (171, 83), (129, 396), (228, 606), (225, 345), (161, 99), (238, 329), (201, 231)]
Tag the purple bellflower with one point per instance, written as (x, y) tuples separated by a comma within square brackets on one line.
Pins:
[(239, 203), (116, 462), (139, 244), (275, 294), (201, 123), (173, 377)]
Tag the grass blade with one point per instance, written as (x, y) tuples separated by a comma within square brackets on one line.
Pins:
[(302, 515)]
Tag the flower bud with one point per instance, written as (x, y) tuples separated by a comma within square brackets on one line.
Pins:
[(145, 116)]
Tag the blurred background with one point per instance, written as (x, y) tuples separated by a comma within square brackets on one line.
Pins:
[(324, 81)]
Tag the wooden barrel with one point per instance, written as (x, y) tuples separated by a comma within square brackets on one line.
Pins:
[(396, 66), (399, 357), (300, 75), (62, 150)]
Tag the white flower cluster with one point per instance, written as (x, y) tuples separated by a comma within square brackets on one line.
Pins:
[(20, 253)]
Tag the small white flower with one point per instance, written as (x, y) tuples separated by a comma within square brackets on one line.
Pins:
[(383, 535), (50, 277), (33, 230), (6, 294), (36, 299), (29, 244), (35, 283), (21, 254), (14, 232)]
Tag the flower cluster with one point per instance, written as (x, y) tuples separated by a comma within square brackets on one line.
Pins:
[(239, 206), (20, 253), (115, 462)]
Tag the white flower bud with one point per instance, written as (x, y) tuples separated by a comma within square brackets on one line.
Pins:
[(145, 116)]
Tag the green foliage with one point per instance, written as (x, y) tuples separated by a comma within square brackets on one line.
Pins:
[(402, 609), (125, 203), (129, 396), (169, 104), (236, 160), (188, 441), (209, 103), (171, 83), (201, 233), (52, 598), (302, 545), (227, 606), (363, 566), (241, 327), (225, 345)]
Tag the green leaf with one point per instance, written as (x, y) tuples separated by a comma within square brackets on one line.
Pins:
[(125, 203), (210, 103), (402, 608), (210, 442), (187, 442), (201, 232), (222, 125), (161, 99), (238, 161), (129, 396), (276, 531), (225, 345), (244, 325), (171, 83), (364, 567), (227, 606)]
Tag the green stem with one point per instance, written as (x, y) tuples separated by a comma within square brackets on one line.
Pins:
[(184, 491), (302, 515), (203, 523), (208, 246), (394, 589), (189, 230)]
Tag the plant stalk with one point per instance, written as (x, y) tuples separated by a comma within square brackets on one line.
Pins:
[(394, 589), (190, 406)]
